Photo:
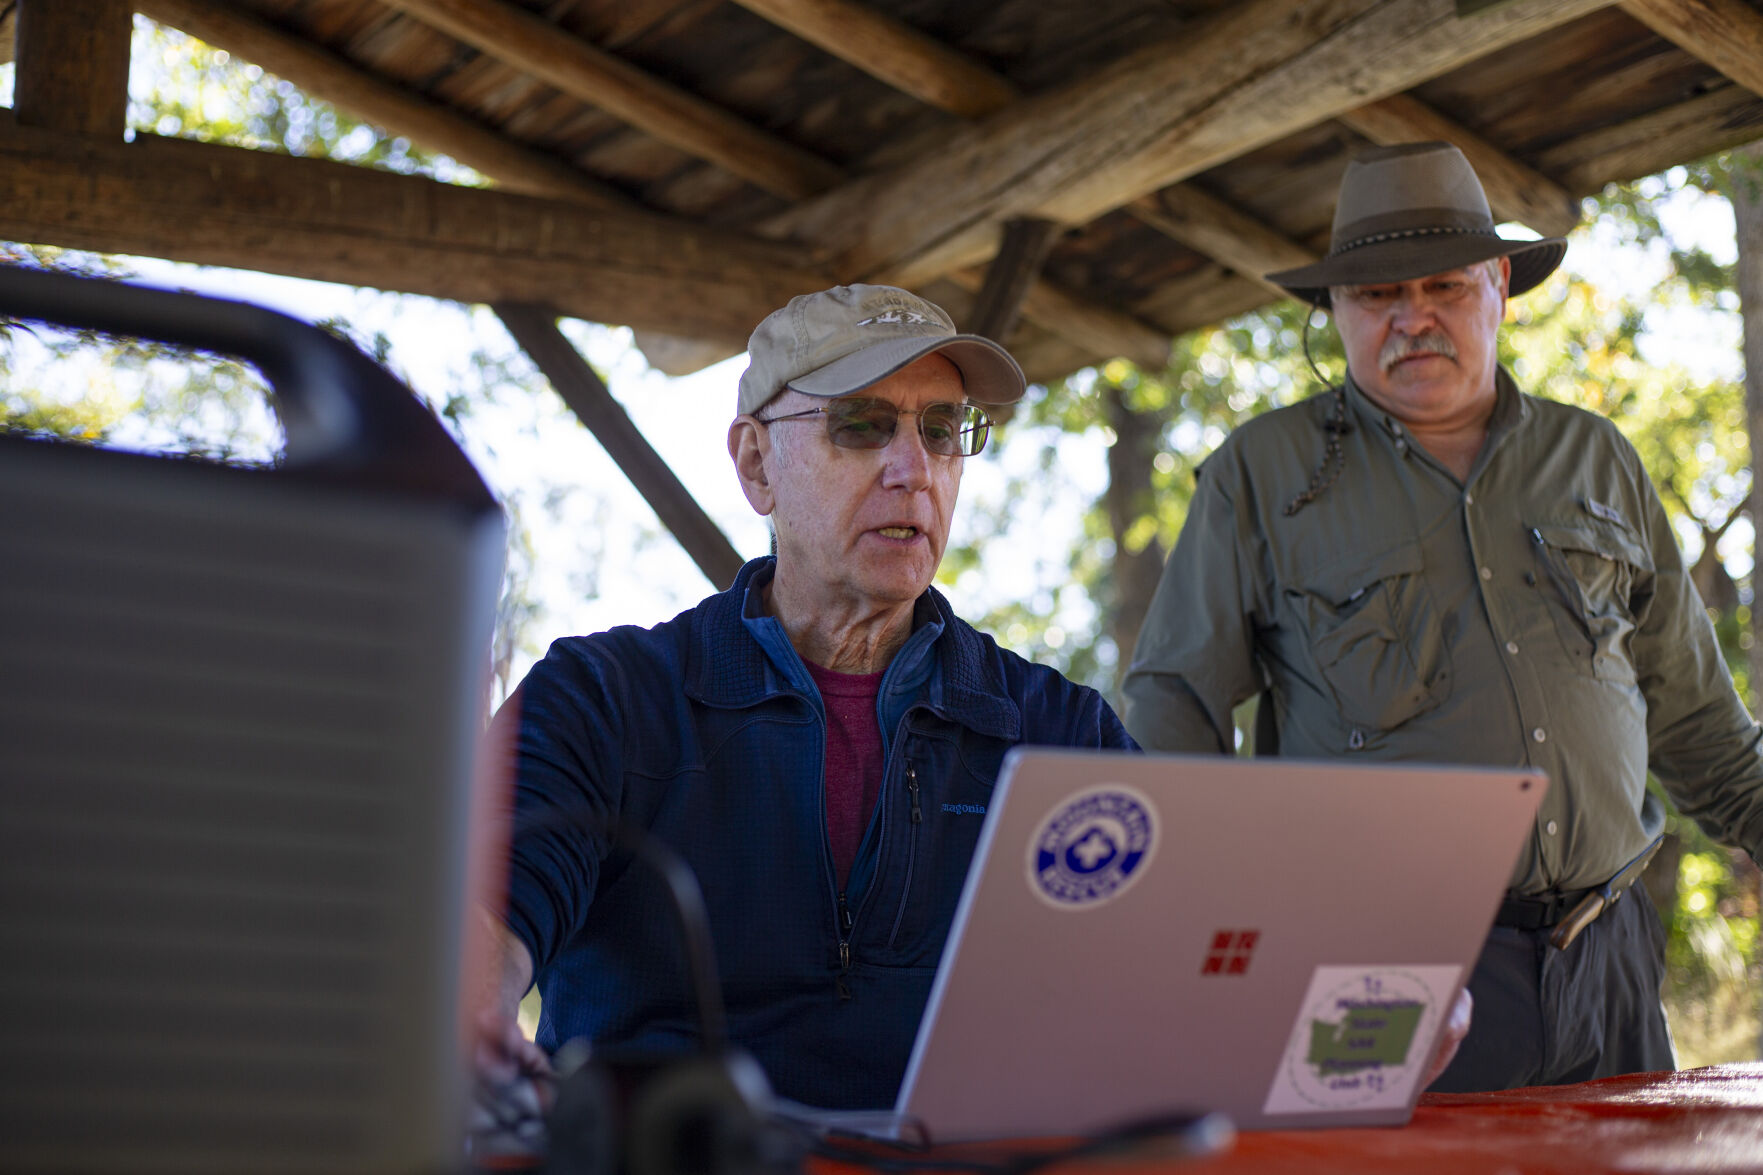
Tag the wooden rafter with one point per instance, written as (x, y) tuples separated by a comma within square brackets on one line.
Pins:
[(1221, 231), (895, 53), (325, 75), (335, 222), (541, 49), (1728, 117), (1092, 330), (892, 51), (1727, 34), (73, 65), (535, 329), (521, 169), (1253, 73), (1515, 191)]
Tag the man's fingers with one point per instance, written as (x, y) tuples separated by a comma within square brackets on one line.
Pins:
[(1456, 1028)]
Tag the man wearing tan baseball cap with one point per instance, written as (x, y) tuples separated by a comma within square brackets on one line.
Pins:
[(1423, 563), (819, 741)]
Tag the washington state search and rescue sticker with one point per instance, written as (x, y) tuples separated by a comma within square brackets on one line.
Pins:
[(1362, 1039), (1092, 847)]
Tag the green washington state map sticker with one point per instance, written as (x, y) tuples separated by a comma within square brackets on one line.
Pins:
[(1362, 1038)]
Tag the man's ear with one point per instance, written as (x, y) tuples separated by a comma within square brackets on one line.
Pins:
[(1505, 283), (749, 447)]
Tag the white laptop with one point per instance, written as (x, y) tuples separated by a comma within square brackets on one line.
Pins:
[(1276, 939)]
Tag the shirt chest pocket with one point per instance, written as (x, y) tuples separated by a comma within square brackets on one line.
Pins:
[(1374, 633), (1593, 575)]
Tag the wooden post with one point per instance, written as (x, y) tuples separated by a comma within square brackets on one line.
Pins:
[(535, 329), (73, 65), (1025, 247)]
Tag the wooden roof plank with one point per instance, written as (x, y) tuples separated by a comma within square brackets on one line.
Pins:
[(605, 80), (892, 51), (329, 221), (73, 65), (1243, 79), (1727, 34), (365, 95), (1515, 190)]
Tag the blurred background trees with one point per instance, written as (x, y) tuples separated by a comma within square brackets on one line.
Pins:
[(1068, 518)]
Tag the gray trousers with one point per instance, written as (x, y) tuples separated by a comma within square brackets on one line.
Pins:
[(1549, 1017)]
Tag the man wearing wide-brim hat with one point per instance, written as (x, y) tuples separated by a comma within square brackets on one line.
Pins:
[(1425, 564)]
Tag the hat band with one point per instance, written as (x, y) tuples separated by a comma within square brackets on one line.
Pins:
[(1378, 238)]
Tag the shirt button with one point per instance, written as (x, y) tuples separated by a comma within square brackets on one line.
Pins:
[(1469, 499), (1551, 828), (1538, 734), (1487, 573), (1512, 647), (1401, 445)]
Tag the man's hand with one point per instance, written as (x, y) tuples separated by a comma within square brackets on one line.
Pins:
[(1456, 1028), (512, 1082)]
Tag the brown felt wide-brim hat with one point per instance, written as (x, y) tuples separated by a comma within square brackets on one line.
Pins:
[(1410, 210)]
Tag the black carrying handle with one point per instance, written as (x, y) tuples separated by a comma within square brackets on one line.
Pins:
[(345, 417)]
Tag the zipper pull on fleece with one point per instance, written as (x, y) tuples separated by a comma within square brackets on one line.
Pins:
[(912, 793), (842, 987)]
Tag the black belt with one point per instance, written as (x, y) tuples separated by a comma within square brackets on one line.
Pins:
[(1539, 911)]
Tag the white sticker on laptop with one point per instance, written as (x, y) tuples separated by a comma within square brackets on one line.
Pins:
[(1093, 847), (1363, 1038)]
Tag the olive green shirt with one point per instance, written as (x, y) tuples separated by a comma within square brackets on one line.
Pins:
[(1539, 614)]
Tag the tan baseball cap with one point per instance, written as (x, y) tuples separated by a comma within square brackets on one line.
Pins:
[(844, 339)]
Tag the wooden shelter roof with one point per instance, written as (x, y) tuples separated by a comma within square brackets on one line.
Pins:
[(1119, 170), (1081, 179)]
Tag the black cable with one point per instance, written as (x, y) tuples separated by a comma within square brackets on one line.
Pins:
[(1193, 1134)]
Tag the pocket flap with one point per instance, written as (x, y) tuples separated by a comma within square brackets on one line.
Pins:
[(1345, 579), (1604, 542)]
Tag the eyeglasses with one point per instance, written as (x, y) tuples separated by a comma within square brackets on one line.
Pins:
[(868, 422)]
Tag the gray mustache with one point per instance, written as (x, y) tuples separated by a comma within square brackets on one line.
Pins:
[(1402, 347)]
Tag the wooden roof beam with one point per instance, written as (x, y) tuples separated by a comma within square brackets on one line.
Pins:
[(1727, 34), (73, 65), (535, 329), (1223, 232), (1728, 117), (537, 47), (335, 222), (1092, 329), (336, 80), (1515, 190), (1247, 76), (892, 51)]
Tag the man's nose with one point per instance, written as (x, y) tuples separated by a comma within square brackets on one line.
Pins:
[(906, 462), (1413, 310)]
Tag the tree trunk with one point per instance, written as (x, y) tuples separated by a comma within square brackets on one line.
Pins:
[(1745, 190), (1138, 440)]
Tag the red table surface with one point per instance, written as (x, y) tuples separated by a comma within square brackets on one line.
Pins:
[(1698, 1120)]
